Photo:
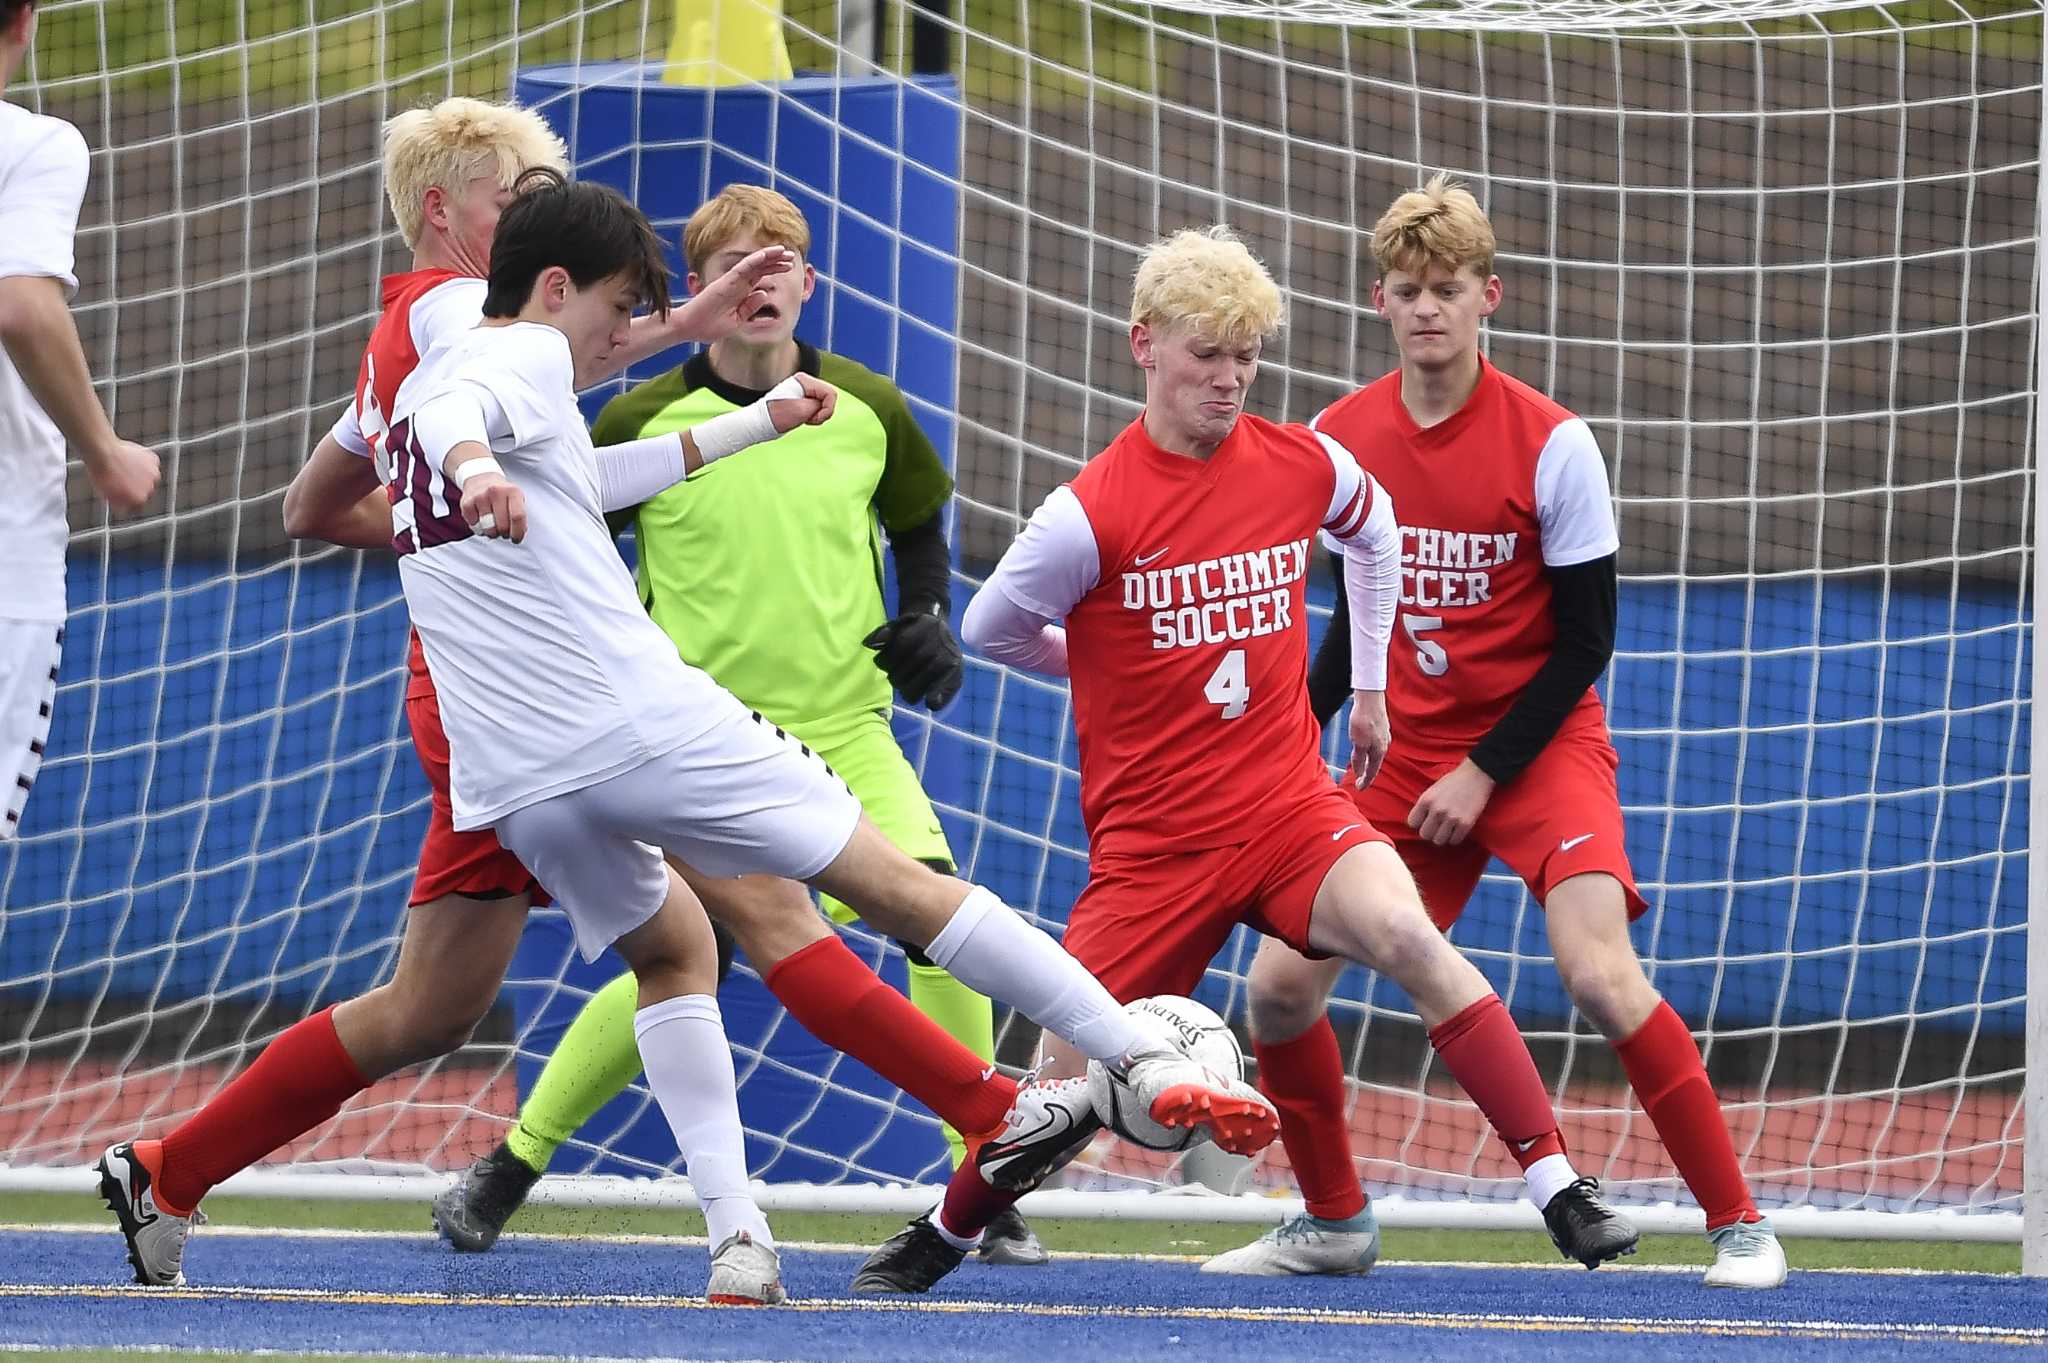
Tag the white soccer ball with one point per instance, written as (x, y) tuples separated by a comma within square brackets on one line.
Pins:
[(1200, 1035)]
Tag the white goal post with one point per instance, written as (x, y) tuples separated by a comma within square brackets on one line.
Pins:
[(1781, 257)]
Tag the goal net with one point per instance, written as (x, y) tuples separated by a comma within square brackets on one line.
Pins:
[(1780, 257)]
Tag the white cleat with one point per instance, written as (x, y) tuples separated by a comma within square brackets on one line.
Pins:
[(1746, 1254), (745, 1273), (156, 1238), (1307, 1244)]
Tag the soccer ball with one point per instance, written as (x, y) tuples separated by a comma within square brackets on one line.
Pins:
[(1200, 1035)]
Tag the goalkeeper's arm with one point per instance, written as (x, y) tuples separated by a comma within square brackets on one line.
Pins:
[(916, 648)]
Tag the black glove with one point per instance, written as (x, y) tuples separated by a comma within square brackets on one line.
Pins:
[(921, 658)]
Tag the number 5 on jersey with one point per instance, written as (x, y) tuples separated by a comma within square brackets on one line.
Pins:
[(1429, 654), (1227, 685)]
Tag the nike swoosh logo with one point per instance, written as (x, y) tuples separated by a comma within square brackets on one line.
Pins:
[(1569, 843), (1050, 1124), (988, 1074), (1144, 559), (1523, 1147), (1345, 829)]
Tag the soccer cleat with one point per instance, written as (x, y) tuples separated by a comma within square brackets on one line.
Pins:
[(1746, 1254), (1009, 1241), (1585, 1228), (1307, 1244), (156, 1237), (745, 1272), (1047, 1125), (1181, 1092), (912, 1260), (471, 1214)]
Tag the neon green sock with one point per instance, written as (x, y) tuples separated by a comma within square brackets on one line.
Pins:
[(965, 1015), (596, 1058)]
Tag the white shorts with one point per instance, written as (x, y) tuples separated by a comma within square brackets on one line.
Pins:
[(29, 653), (742, 799)]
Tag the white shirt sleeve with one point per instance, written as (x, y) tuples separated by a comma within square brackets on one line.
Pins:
[(39, 202), (1574, 510), (1052, 565), (446, 310), (634, 470), (1361, 525), (347, 432), (523, 379)]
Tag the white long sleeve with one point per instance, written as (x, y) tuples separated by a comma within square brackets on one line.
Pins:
[(1372, 588), (1371, 544), (1013, 635), (634, 470), (1051, 566)]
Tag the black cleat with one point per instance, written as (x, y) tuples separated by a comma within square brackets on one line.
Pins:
[(1009, 1241), (912, 1260), (1585, 1228), (470, 1215)]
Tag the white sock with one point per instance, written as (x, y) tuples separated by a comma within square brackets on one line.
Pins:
[(689, 1067), (964, 1242), (988, 948), (1548, 1177)]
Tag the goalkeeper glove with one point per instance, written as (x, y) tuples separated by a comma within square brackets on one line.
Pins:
[(921, 658)]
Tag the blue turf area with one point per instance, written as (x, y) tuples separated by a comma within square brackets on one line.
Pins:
[(408, 1294)]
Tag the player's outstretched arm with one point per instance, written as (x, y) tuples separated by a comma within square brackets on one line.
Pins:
[(632, 471), (714, 312), (336, 497), (42, 342)]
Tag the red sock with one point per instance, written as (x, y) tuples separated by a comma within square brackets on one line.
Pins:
[(299, 1081), (844, 1004), (970, 1203), (1482, 1049), (1305, 1079), (1664, 1068)]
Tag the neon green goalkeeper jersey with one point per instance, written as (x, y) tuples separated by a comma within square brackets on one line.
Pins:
[(766, 566)]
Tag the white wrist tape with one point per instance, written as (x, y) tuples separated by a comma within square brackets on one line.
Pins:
[(750, 425), (469, 469)]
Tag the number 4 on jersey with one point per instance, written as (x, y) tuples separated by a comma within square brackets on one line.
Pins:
[(1227, 685)]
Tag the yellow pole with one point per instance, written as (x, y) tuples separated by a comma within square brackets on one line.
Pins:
[(727, 42)]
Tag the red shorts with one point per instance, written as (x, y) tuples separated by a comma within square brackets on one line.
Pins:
[(1150, 923), (472, 863), (1560, 818)]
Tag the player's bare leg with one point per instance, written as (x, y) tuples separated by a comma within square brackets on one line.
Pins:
[(1588, 919), (1367, 910), (450, 963)]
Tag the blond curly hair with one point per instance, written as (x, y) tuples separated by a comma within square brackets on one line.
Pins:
[(1206, 280), (450, 143)]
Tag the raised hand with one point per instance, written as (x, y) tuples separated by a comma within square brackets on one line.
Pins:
[(718, 309)]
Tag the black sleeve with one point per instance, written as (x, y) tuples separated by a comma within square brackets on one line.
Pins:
[(1584, 603), (924, 569), (1329, 676)]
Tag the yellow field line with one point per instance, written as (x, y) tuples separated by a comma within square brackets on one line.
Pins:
[(1431, 1320)]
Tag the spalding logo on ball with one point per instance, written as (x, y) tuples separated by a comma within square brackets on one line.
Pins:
[(1199, 1034)]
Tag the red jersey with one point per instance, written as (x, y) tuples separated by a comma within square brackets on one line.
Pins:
[(1509, 484), (418, 313), (1189, 653)]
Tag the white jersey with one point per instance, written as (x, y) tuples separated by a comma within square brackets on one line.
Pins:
[(42, 185), (551, 675)]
